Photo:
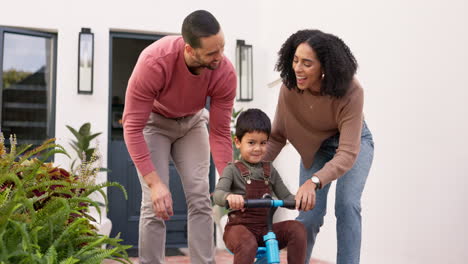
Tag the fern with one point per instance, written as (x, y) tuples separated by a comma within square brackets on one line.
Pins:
[(44, 211), (51, 255), (70, 260), (96, 257), (4, 195)]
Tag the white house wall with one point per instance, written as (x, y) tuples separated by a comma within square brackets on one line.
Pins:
[(412, 57)]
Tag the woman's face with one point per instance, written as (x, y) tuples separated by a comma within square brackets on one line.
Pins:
[(307, 68)]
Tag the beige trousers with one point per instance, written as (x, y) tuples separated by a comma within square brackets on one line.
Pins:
[(185, 142)]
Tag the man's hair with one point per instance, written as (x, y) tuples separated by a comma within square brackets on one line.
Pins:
[(338, 63), (199, 24), (252, 120)]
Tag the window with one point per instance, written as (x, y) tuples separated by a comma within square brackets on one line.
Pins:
[(27, 86)]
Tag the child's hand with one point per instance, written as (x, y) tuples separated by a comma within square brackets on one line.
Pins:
[(235, 201)]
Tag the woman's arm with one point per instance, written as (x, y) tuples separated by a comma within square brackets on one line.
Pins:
[(349, 118)]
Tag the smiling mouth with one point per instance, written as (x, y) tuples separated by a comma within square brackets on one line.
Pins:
[(300, 80)]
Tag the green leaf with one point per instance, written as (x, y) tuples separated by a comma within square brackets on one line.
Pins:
[(89, 154), (74, 132), (236, 113), (91, 137), (51, 255), (85, 129), (70, 260)]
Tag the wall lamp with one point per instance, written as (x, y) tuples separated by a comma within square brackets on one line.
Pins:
[(85, 61), (244, 71)]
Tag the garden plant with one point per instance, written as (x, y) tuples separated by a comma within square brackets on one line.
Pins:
[(44, 209)]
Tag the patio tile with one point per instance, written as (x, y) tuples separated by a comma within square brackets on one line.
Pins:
[(222, 257)]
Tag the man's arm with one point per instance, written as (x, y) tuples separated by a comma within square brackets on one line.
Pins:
[(220, 120), (143, 87)]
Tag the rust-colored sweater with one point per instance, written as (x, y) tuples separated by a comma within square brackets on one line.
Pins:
[(307, 119)]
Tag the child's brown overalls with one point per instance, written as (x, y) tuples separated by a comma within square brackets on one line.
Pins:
[(245, 230)]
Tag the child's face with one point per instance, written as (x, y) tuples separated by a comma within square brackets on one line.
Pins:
[(252, 146)]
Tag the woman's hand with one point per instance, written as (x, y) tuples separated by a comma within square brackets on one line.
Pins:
[(305, 197), (235, 201)]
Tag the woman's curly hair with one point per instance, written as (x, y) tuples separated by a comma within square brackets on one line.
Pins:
[(338, 63)]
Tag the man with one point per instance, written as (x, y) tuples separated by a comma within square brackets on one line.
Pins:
[(164, 119)]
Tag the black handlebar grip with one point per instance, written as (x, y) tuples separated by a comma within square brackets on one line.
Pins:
[(290, 204), (257, 203), (254, 203)]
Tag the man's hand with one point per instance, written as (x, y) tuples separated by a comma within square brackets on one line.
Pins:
[(305, 197), (160, 195), (235, 201)]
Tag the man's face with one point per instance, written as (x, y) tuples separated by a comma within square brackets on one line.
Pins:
[(210, 53)]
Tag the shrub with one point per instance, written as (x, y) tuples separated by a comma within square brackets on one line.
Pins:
[(44, 211)]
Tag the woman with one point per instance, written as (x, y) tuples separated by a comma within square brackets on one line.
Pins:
[(320, 112)]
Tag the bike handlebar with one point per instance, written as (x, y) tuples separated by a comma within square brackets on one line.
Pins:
[(267, 203)]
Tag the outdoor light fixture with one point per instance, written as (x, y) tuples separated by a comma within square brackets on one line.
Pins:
[(244, 71), (85, 61)]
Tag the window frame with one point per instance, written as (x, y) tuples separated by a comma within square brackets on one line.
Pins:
[(51, 94)]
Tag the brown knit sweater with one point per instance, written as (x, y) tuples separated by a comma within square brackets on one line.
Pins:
[(307, 119)]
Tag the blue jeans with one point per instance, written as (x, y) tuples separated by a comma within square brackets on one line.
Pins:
[(349, 189)]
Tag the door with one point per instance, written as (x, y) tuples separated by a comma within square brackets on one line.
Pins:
[(124, 214)]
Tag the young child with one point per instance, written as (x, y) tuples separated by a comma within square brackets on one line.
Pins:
[(250, 178)]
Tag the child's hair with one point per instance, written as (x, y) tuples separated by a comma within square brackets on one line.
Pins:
[(252, 120)]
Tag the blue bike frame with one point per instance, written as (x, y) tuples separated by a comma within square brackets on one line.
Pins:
[(270, 253)]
